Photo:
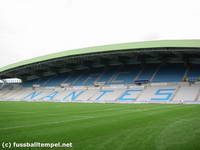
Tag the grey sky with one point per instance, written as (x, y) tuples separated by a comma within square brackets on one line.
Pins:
[(30, 28)]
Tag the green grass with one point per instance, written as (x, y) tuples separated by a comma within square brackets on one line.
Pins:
[(102, 126)]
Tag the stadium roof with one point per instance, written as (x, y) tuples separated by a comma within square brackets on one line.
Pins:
[(107, 48)]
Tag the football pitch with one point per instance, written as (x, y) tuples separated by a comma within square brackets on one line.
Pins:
[(102, 126)]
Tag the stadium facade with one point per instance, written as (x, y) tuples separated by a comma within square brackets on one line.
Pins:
[(144, 72)]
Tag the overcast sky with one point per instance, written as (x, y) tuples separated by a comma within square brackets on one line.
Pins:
[(30, 28)]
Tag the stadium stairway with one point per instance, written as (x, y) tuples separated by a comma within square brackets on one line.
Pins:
[(175, 93), (198, 95)]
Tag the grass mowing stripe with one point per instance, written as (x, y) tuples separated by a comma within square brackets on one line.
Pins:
[(88, 117), (47, 123), (103, 126)]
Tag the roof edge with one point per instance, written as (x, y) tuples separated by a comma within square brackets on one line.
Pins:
[(104, 48)]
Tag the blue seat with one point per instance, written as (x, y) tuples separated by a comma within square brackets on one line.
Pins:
[(93, 76), (170, 73), (81, 79), (30, 83), (57, 80), (107, 75), (147, 72), (194, 72), (120, 75), (126, 75)]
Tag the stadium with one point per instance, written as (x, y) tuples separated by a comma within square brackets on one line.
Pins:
[(140, 95), (145, 72)]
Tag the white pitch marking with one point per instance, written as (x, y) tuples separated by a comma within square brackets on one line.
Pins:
[(47, 123), (16, 112)]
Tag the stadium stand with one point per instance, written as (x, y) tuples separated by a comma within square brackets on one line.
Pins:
[(156, 74), (124, 75), (154, 93)]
